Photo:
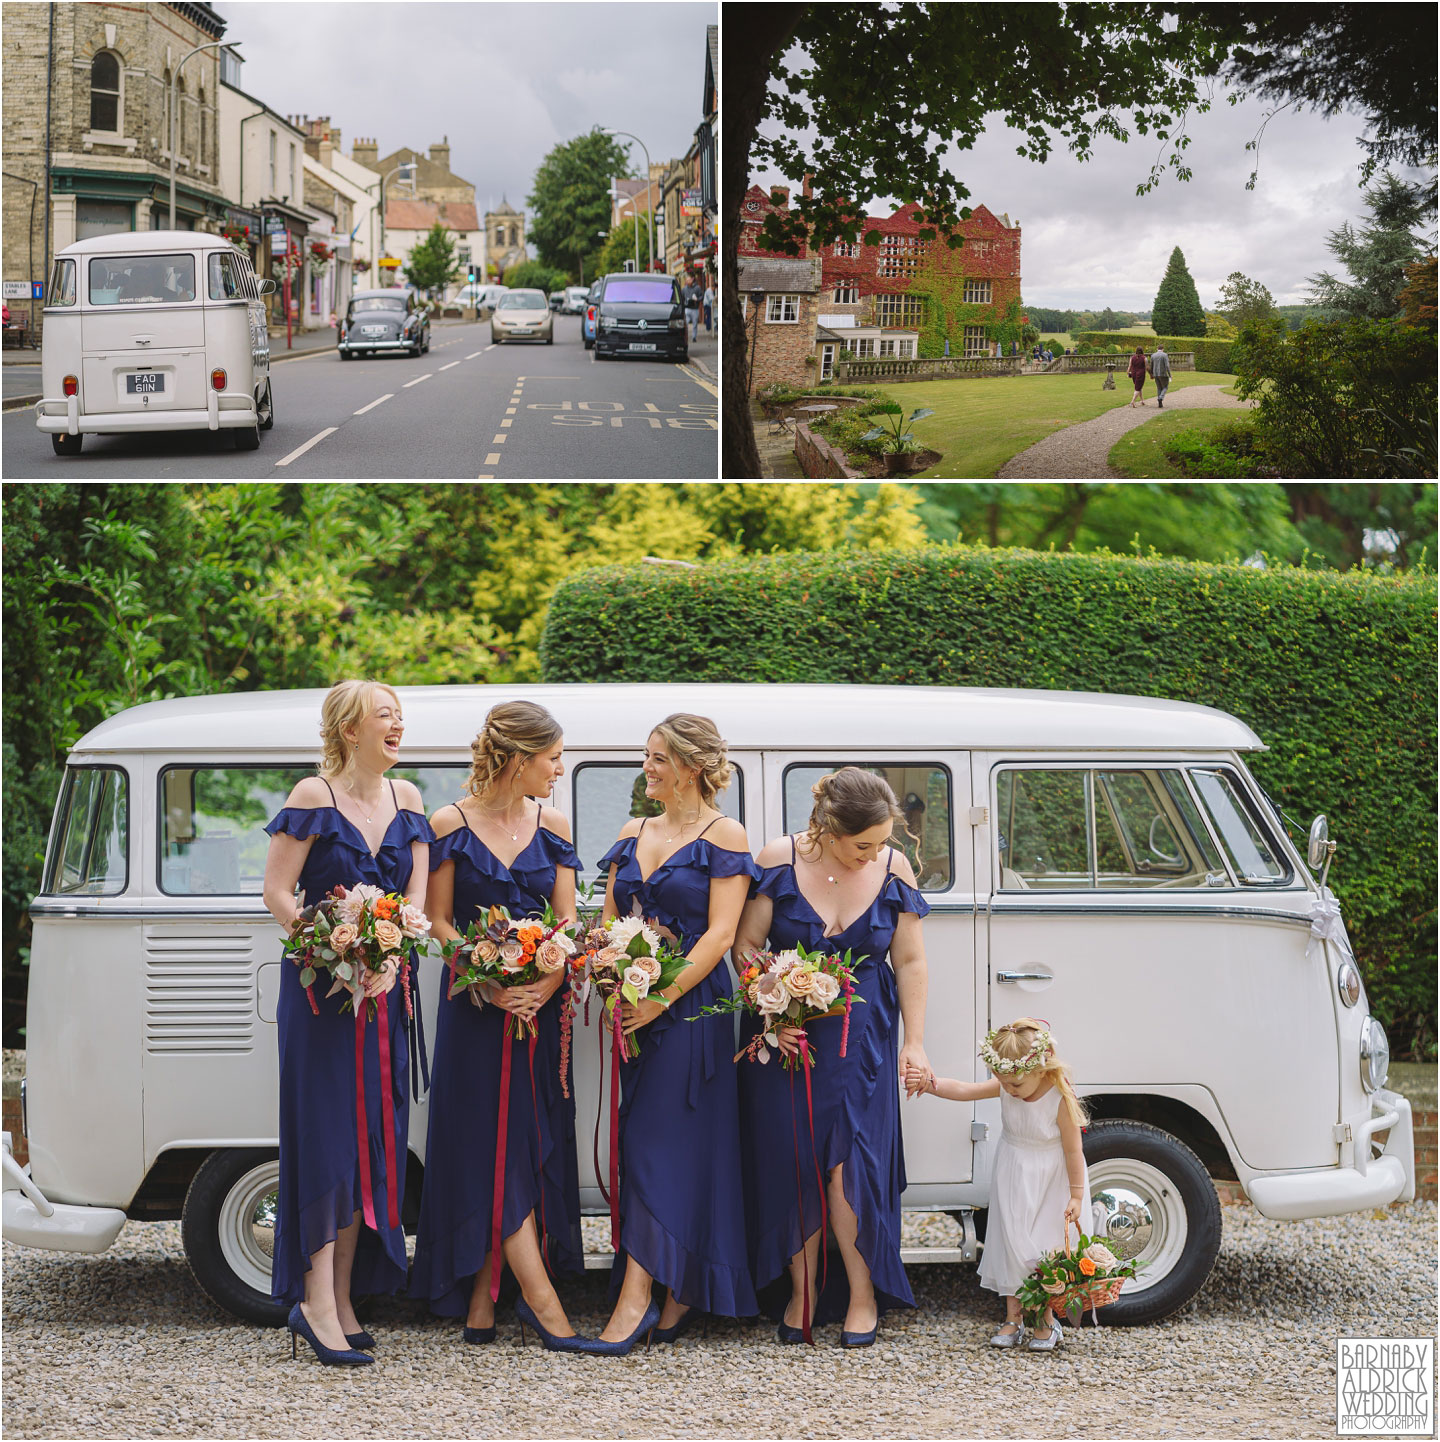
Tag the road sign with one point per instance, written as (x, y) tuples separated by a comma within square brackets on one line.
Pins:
[(16, 290), (37, 290)]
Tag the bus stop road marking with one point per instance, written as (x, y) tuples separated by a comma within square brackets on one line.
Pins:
[(313, 441), (373, 404)]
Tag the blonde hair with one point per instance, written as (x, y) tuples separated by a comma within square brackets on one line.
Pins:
[(852, 800), (1016, 1039), (512, 729), (694, 742), (346, 704)]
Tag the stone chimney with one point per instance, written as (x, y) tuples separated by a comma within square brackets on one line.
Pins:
[(805, 190), (783, 191), (440, 154), (365, 152)]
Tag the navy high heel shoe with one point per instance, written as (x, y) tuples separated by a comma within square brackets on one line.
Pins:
[(622, 1349), (299, 1327), (475, 1336), (361, 1341), (527, 1318), (858, 1339), (687, 1320), (789, 1335)]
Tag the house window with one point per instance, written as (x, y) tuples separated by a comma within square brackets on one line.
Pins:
[(272, 162), (782, 309), (846, 252), (975, 342), (744, 307), (899, 310), (827, 362), (977, 292), (907, 350), (865, 349), (204, 126), (294, 193), (980, 247), (900, 256), (180, 147), (887, 347), (105, 92), (847, 295)]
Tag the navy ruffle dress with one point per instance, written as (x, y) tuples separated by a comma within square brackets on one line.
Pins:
[(319, 1149), (541, 1175), (856, 1100), (682, 1214)]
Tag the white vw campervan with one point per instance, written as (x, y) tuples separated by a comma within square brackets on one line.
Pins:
[(1106, 862), (154, 331)]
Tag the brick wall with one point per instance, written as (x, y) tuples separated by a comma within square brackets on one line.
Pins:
[(780, 348)]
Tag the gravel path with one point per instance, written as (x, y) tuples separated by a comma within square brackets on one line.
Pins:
[(126, 1345), (1080, 452)]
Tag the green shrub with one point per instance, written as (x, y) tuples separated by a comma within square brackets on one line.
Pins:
[(1234, 450), (1352, 398), (1335, 671), (1210, 355)]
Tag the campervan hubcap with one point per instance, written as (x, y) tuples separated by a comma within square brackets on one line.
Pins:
[(1144, 1217), (247, 1226)]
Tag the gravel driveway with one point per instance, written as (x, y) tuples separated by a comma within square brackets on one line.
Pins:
[(1082, 451), (125, 1345)]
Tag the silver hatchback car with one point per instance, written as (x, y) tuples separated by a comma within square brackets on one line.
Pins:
[(522, 315)]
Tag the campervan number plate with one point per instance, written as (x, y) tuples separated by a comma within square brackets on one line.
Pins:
[(144, 383), (637, 345)]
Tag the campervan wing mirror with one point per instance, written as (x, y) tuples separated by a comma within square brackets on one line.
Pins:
[(1319, 852), (267, 287)]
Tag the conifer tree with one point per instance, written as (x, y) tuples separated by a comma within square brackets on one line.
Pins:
[(1177, 309)]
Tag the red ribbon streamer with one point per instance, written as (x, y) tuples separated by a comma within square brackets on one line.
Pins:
[(387, 1117), (362, 1132), (387, 1113), (497, 1203), (800, 1191), (539, 1153)]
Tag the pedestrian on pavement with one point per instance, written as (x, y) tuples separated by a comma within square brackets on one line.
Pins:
[(692, 309), (1160, 369), (1136, 372), (709, 307)]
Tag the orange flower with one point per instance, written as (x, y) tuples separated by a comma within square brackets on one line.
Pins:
[(528, 947), (530, 934), (1087, 1267), (384, 908)]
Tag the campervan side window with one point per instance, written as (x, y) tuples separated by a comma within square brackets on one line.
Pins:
[(212, 821), (1108, 829), (923, 791), (608, 794), (89, 845)]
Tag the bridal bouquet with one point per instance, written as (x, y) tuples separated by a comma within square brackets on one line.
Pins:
[(505, 952), (628, 961), (1068, 1281), (353, 931), (788, 989)]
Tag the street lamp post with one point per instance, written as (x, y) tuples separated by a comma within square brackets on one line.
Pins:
[(651, 207), (405, 165), (174, 81)]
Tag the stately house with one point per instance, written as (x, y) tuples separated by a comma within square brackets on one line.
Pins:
[(904, 297)]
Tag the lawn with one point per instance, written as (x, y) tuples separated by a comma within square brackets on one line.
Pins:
[(979, 424)]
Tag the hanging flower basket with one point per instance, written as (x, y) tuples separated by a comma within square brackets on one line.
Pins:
[(361, 266)]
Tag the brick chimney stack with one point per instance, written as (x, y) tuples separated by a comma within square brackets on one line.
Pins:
[(365, 152), (440, 154)]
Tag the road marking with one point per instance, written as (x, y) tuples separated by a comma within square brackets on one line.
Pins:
[(509, 410), (313, 441), (503, 424), (417, 380), (474, 353), (491, 346), (373, 404), (493, 459), (700, 381), (450, 366), (498, 441), (485, 476)]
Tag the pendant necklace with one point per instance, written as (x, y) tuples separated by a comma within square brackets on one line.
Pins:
[(361, 804), (504, 826), (684, 826)]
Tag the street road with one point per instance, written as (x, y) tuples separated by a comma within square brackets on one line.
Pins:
[(467, 410)]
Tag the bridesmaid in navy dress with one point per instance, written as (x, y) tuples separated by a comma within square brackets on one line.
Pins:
[(838, 887), (681, 1206), (497, 846), (348, 825)]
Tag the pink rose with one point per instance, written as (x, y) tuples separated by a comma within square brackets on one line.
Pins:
[(649, 966), (607, 958), (827, 989), (485, 951), (390, 937), (636, 976), (800, 984), (342, 937), (771, 996), (550, 955), (413, 922), (512, 956)]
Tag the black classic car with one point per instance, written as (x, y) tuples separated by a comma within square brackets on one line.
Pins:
[(640, 315), (383, 320)]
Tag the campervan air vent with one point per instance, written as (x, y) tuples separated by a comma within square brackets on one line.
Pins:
[(199, 990)]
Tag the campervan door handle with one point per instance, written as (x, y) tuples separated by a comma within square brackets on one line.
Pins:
[(1023, 976), (143, 339)]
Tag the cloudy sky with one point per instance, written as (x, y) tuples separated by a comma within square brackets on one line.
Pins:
[(507, 83), (1090, 241)]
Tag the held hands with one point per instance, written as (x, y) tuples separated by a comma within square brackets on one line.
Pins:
[(632, 1018), (522, 1001), (376, 982), (913, 1061)]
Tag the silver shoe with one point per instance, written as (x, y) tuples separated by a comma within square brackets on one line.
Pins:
[(1009, 1339), (1047, 1344)]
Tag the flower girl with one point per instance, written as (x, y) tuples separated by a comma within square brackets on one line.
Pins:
[(1039, 1184)]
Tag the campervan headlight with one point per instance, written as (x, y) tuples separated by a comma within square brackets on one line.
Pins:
[(1374, 1055), (1347, 980)]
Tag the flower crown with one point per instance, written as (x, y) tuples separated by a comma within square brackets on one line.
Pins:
[(1040, 1050)]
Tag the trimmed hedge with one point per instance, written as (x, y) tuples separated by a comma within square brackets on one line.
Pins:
[(1210, 355), (1335, 671)]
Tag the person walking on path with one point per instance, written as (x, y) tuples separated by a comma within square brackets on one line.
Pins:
[(709, 300), (1136, 372), (1160, 369), (692, 309)]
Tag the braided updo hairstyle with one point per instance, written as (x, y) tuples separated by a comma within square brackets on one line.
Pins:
[(346, 704), (693, 742), (512, 729), (1016, 1039), (852, 800)]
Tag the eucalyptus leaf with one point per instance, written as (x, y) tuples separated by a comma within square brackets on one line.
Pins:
[(307, 976), (345, 971)]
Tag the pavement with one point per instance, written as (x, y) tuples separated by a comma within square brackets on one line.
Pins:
[(466, 410)]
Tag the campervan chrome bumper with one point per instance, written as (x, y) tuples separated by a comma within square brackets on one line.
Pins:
[(1367, 1182), (30, 1219), (220, 413)]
